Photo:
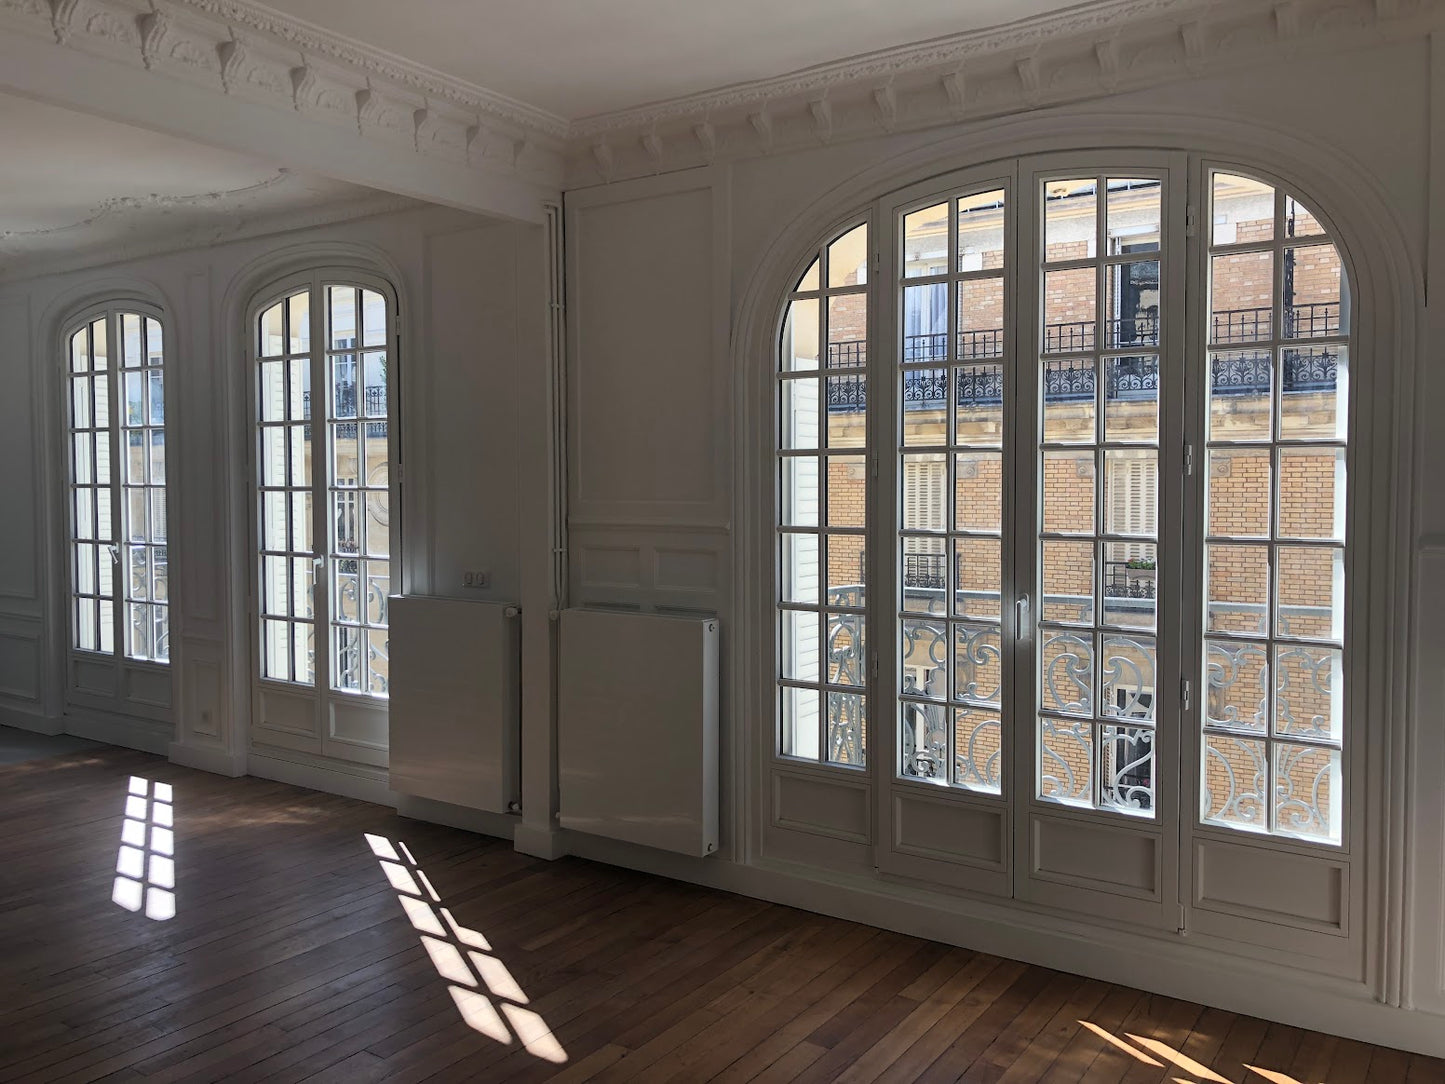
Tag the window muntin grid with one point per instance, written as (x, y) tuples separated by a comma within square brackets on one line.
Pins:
[(951, 532), (1273, 710), (120, 580), (822, 482), (324, 506), (1099, 377)]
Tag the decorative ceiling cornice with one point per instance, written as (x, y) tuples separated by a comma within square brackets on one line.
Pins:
[(1089, 51), (954, 50), (344, 50)]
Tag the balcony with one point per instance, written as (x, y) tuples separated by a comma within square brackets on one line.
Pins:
[(1239, 373)]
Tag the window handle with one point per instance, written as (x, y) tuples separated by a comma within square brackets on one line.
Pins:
[(114, 554), (1023, 630)]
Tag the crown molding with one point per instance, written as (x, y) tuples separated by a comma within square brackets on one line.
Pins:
[(1085, 52)]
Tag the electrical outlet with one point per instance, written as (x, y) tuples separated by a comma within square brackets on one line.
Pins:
[(481, 580)]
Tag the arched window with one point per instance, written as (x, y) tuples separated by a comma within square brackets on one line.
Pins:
[(324, 355), (1107, 466), (120, 572)]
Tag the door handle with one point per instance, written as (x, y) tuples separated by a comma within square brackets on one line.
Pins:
[(1023, 629)]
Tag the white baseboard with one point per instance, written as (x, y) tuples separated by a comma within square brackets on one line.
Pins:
[(147, 735), (35, 721), (360, 781), (481, 821), (1191, 969), (208, 758), (549, 843)]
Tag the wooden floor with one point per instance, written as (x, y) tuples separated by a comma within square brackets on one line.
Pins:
[(292, 956)]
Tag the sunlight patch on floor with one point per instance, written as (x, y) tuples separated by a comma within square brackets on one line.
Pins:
[(145, 866), (1199, 1074), (478, 980)]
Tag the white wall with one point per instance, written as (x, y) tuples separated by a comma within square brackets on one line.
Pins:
[(652, 261), (471, 314)]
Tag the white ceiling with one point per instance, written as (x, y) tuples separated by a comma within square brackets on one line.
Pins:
[(71, 182), (578, 58)]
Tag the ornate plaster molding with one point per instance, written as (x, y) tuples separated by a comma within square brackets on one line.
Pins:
[(1071, 56)]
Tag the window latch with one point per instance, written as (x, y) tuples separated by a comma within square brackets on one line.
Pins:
[(1023, 630)]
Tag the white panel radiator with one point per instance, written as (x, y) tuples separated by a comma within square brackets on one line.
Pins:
[(455, 701), (638, 728)]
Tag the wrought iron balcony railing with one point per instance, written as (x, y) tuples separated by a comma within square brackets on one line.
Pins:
[(1304, 369), (373, 407)]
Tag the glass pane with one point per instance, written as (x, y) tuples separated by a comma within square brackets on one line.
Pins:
[(1313, 293), (1069, 401), (1068, 491), (1312, 493), (977, 663), (102, 401), (373, 318), (925, 323), (1067, 669), (799, 409), (848, 259), (1299, 220), (160, 572), (1243, 210), (848, 331), (346, 455), (977, 749), (847, 650), (132, 357), (847, 411), (847, 490), (138, 572), (378, 519), (925, 492), (799, 494), (85, 580), (847, 728), (155, 342), (923, 647), (1130, 584), (800, 655), (1239, 492), (846, 571), (1239, 395), (135, 399), (99, 351), (1070, 220), (1126, 769), (809, 279), (378, 463), (273, 341), (800, 336), (1066, 761), (1307, 791), (1315, 391), (924, 575), (1241, 297), (343, 386), (138, 621), (1127, 676), (80, 402), (925, 241), (299, 403), (79, 352), (923, 740), (303, 583), (800, 722), (1068, 579), (276, 589), (1131, 399), (800, 568), (349, 665), (374, 376), (273, 391), (83, 458), (106, 627), (977, 578), (1133, 305), (1237, 589), (158, 515), (1236, 685), (980, 318), (84, 500), (1070, 305), (158, 457), (924, 397), (1311, 592), (1131, 492), (378, 666), (980, 231), (378, 588), (156, 397), (978, 404), (978, 491), (301, 539), (1235, 790), (1309, 692), (1134, 215), (298, 312), (342, 310)]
